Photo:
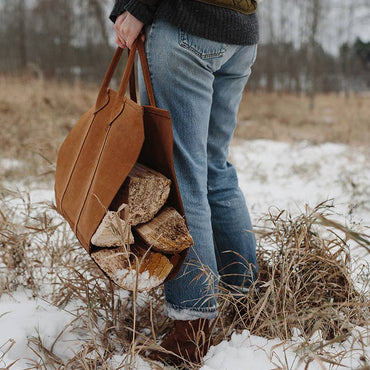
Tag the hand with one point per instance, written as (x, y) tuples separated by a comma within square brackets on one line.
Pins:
[(127, 29)]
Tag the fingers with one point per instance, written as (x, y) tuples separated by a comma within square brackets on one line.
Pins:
[(130, 40), (120, 43), (127, 29)]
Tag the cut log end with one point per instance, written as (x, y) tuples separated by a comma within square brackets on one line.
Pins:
[(167, 232), (112, 232), (141, 270)]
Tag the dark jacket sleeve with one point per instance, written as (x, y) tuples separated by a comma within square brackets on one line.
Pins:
[(143, 10)]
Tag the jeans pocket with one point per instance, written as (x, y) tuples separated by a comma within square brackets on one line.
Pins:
[(202, 47)]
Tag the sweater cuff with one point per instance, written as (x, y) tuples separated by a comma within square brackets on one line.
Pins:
[(118, 9), (141, 11)]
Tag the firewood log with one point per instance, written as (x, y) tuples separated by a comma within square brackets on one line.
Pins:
[(141, 269), (112, 232), (145, 191), (167, 232)]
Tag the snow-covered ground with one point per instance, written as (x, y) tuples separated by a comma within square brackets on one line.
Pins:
[(288, 176), (273, 175)]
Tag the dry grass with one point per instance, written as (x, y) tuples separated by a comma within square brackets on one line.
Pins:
[(36, 115), (306, 280), (287, 117), (306, 284), (38, 253)]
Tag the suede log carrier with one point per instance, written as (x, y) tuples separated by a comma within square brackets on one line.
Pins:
[(103, 147)]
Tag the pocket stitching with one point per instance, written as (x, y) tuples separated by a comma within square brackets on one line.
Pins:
[(184, 42)]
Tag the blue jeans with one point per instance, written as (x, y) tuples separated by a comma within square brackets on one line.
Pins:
[(200, 82)]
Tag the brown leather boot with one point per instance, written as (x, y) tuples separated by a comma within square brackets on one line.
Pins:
[(187, 342)]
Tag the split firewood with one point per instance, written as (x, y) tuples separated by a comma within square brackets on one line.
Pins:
[(145, 191), (167, 232), (142, 269), (113, 231)]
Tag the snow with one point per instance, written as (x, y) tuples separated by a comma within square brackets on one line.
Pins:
[(273, 176), (23, 317), (278, 175), (7, 164), (246, 351), (288, 175)]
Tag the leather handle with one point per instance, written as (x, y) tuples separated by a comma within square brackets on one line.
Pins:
[(129, 74), (132, 84), (146, 73), (129, 71), (132, 81), (108, 77)]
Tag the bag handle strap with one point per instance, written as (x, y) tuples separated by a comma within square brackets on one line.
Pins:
[(137, 45), (130, 72), (100, 101), (132, 84), (146, 73)]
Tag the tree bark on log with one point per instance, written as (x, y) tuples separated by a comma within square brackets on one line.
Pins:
[(145, 191), (166, 233)]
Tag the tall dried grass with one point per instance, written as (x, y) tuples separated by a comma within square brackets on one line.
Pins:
[(306, 283), (287, 117), (36, 115)]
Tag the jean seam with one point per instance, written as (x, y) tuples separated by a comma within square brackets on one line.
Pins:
[(185, 43), (147, 53), (195, 309)]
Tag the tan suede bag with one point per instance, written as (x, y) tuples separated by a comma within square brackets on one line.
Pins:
[(104, 145)]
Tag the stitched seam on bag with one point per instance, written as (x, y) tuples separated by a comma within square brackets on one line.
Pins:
[(79, 153), (75, 163), (93, 177), (103, 105), (68, 218), (95, 171)]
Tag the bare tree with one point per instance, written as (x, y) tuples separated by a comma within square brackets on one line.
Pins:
[(314, 10), (22, 42)]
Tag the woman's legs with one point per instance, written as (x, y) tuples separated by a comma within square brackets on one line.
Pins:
[(182, 69), (183, 86), (235, 243)]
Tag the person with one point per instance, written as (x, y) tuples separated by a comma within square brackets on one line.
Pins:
[(200, 54)]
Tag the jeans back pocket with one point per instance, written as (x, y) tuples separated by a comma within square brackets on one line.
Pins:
[(202, 47)]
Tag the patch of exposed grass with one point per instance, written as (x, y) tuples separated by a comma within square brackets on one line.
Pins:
[(35, 116), (286, 117)]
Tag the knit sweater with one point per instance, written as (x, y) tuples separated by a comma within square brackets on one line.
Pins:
[(197, 18)]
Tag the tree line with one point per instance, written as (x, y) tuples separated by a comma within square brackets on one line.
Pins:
[(73, 40)]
